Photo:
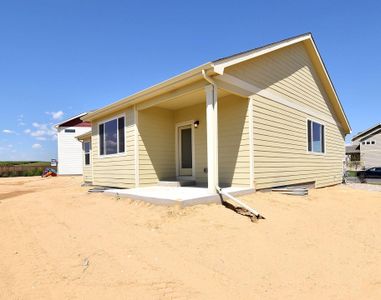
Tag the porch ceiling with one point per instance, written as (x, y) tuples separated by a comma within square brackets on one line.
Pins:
[(190, 99)]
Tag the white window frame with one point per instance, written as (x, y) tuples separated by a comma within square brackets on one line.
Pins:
[(117, 137), (84, 151), (325, 136)]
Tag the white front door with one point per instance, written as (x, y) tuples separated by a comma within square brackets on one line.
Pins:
[(185, 150)]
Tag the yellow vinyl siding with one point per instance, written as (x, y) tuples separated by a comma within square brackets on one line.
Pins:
[(280, 149), (287, 71), (156, 146), (233, 139), (117, 170), (280, 132), (87, 169)]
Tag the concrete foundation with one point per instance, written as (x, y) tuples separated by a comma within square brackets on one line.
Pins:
[(183, 196)]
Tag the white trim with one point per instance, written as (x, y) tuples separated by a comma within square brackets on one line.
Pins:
[(177, 146), (236, 59), (136, 147), (325, 135), (251, 140), (116, 117), (274, 96)]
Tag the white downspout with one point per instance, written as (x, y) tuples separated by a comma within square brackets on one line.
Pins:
[(215, 158)]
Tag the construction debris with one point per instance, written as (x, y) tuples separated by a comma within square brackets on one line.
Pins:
[(49, 172), (295, 191)]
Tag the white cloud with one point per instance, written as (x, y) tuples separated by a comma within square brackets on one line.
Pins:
[(42, 131), (38, 133), (8, 131), (20, 120), (36, 146), (56, 115)]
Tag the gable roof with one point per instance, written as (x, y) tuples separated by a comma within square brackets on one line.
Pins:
[(352, 149), (63, 123), (367, 132), (218, 66), (84, 136)]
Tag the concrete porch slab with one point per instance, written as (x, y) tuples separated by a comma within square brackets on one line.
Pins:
[(183, 196)]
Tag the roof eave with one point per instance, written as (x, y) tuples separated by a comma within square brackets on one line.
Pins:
[(150, 92), (84, 136), (366, 132), (221, 64), (70, 119)]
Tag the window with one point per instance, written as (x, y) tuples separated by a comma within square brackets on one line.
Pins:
[(70, 130), (368, 143), (87, 148), (111, 137), (363, 143), (316, 137), (373, 142)]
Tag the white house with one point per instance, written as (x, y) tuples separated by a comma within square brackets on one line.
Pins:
[(70, 160)]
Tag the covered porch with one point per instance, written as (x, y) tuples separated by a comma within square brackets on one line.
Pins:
[(197, 135)]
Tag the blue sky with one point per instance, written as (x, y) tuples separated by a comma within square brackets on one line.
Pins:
[(60, 58)]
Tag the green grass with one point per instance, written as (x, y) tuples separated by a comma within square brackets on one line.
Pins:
[(22, 168), (352, 173), (24, 163)]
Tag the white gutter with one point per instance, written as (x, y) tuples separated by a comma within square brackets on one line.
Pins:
[(239, 202)]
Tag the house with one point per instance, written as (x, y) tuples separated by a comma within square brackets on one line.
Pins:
[(352, 159), (69, 149), (366, 148), (85, 139), (262, 118)]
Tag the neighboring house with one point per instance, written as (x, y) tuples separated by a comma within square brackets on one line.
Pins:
[(368, 146), (87, 165), (353, 160), (261, 118), (69, 148)]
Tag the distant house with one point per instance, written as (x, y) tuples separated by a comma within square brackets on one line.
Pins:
[(69, 148), (262, 118), (87, 165), (366, 147)]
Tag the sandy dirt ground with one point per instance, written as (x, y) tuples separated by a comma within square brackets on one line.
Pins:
[(59, 242)]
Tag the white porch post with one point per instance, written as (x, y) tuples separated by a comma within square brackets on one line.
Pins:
[(212, 136)]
